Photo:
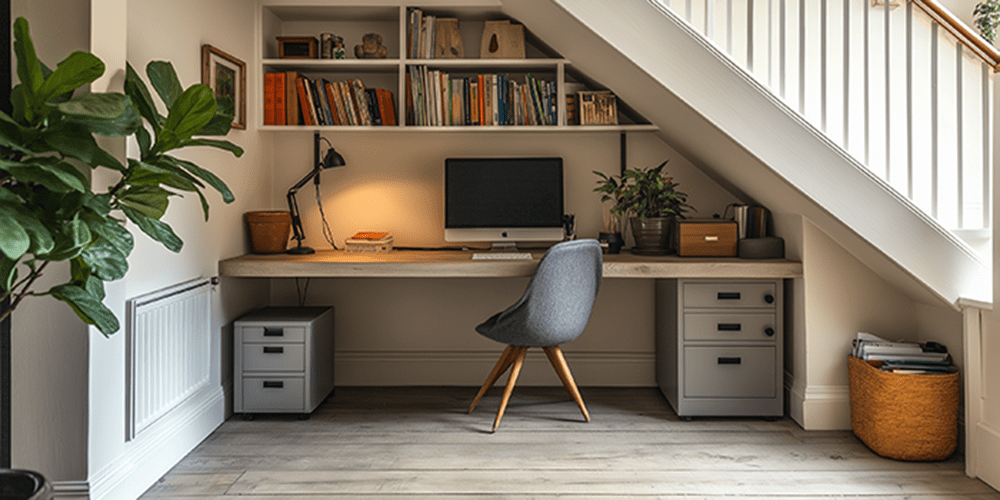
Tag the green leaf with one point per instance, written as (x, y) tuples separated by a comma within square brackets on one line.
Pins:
[(122, 125), (20, 104), (14, 240), (205, 175), (157, 230), (145, 142), (107, 105), (95, 287), (41, 241), (111, 231), (105, 260), (222, 122), (226, 145), (99, 203), (29, 70), (61, 177), (73, 237), (75, 141), (191, 112), (11, 134), (77, 70), (8, 273), (137, 91), (150, 200), (88, 307), (164, 80)]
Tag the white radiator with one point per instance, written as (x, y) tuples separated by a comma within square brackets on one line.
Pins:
[(167, 348)]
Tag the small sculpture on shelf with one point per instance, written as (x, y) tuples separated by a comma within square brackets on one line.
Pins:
[(371, 47)]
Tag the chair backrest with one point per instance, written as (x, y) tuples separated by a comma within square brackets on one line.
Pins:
[(557, 303)]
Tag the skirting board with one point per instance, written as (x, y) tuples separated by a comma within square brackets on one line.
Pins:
[(470, 368), (160, 447), (70, 490), (819, 407)]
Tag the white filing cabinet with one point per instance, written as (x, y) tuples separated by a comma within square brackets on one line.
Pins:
[(719, 346), (283, 360)]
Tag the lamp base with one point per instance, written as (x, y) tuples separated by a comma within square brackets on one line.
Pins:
[(300, 250)]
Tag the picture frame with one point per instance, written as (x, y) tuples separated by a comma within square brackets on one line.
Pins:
[(226, 75)]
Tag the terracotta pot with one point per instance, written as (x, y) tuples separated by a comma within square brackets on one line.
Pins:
[(654, 235), (269, 231)]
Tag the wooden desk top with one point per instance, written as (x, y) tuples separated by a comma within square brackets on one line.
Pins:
[(459, 264)]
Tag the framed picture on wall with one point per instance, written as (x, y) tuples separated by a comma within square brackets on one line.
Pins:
[(226, 75)]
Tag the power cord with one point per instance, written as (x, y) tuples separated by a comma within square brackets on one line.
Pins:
[(327, 233)]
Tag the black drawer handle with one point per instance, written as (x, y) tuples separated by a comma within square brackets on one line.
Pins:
[(730, 361), (273, 350), (729, 295), (273, 384), (274, 332), (730, 327), (769, 331)]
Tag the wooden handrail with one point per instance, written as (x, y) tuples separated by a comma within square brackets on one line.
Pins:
[(965, 35)]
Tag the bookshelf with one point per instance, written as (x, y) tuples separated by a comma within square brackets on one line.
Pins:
[(352, 20)]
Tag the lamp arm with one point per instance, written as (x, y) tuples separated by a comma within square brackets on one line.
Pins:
[(293, 206)]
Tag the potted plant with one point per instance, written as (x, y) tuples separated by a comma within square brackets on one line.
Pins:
[(48, 210), (987, 14), (651, 203)]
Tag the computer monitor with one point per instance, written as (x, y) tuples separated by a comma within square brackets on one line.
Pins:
[(503, 200)]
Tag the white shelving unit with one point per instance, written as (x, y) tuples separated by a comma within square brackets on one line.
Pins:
[(389, 19)]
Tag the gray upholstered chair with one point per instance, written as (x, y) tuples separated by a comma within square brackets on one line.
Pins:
[(554, 309)]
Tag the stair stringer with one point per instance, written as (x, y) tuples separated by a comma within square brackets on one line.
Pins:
[(721, 119)]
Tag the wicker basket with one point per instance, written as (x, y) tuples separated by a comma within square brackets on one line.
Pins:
[(904, 416), (269, 231)]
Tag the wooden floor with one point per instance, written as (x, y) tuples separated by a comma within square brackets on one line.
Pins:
[(420, 443)]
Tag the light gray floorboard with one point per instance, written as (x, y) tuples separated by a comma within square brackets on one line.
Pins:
[(419, 443)]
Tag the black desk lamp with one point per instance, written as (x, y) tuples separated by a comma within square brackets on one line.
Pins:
[(331, 160)]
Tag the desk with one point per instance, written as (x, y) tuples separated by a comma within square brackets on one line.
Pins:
[(459, 264)]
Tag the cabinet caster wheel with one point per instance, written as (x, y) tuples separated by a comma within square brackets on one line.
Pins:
[(303, 416), (687, 419), (771, 419), (247, 416)]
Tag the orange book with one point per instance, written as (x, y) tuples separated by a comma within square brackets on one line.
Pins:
[(482, 110), (279, 99), (269, 99), (332, 98), (386, 107), (303, 101)]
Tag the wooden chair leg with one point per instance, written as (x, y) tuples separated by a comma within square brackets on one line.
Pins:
[(502, 364), (519, 352), (562, 369)]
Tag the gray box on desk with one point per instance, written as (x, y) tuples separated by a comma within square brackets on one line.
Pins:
[(283, 360)]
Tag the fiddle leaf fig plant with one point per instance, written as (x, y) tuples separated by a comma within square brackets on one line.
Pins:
[(49, 211)]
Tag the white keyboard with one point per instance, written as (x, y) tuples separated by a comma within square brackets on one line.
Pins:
[(502, 256)]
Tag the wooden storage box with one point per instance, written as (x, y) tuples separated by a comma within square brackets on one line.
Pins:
[(706, 238), (904, 416)]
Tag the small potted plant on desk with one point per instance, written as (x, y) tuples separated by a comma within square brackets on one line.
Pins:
[(651, 202)]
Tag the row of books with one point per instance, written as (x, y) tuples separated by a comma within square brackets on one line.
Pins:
[(435, 98), (902, 357), (294, 99), (421, 33)]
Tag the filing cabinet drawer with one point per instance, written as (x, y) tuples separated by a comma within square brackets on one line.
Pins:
[(729, 372), (274, 358), (729, 295), (733, 327), (273, 394), (258, 333)]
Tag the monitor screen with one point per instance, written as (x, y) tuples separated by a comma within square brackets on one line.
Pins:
[(503, 199)]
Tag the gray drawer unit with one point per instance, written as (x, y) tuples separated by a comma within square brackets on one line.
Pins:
[(283, 360), (719, 347)]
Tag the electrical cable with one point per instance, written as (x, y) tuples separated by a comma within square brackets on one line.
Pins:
[(327, 233)]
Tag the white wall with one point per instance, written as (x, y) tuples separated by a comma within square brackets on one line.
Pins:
[(49, 406)]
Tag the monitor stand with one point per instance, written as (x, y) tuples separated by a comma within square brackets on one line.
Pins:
[(504, 246)]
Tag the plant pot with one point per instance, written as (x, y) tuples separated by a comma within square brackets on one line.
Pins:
[(18, 484), (653, 235), (614, 241), (269, 231)]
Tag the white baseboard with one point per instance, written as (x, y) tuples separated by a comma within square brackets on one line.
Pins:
[(70, 490), (469, 368), (160, 446), (819, 407)]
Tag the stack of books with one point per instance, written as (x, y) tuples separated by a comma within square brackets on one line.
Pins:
[(902, 357)]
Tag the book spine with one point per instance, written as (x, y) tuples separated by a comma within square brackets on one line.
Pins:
[(279, 99), (269, 80), (304, 101), (291, 99), (371, 100), (331, 99)]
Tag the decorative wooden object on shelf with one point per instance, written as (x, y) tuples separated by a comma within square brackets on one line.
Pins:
[(598, 107), (502, 40), (448, 39), (297, 47)]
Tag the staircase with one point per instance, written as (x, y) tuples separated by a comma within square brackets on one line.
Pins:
[(799, 105)]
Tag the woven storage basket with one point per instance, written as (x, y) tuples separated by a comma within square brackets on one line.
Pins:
[(904, 416)]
